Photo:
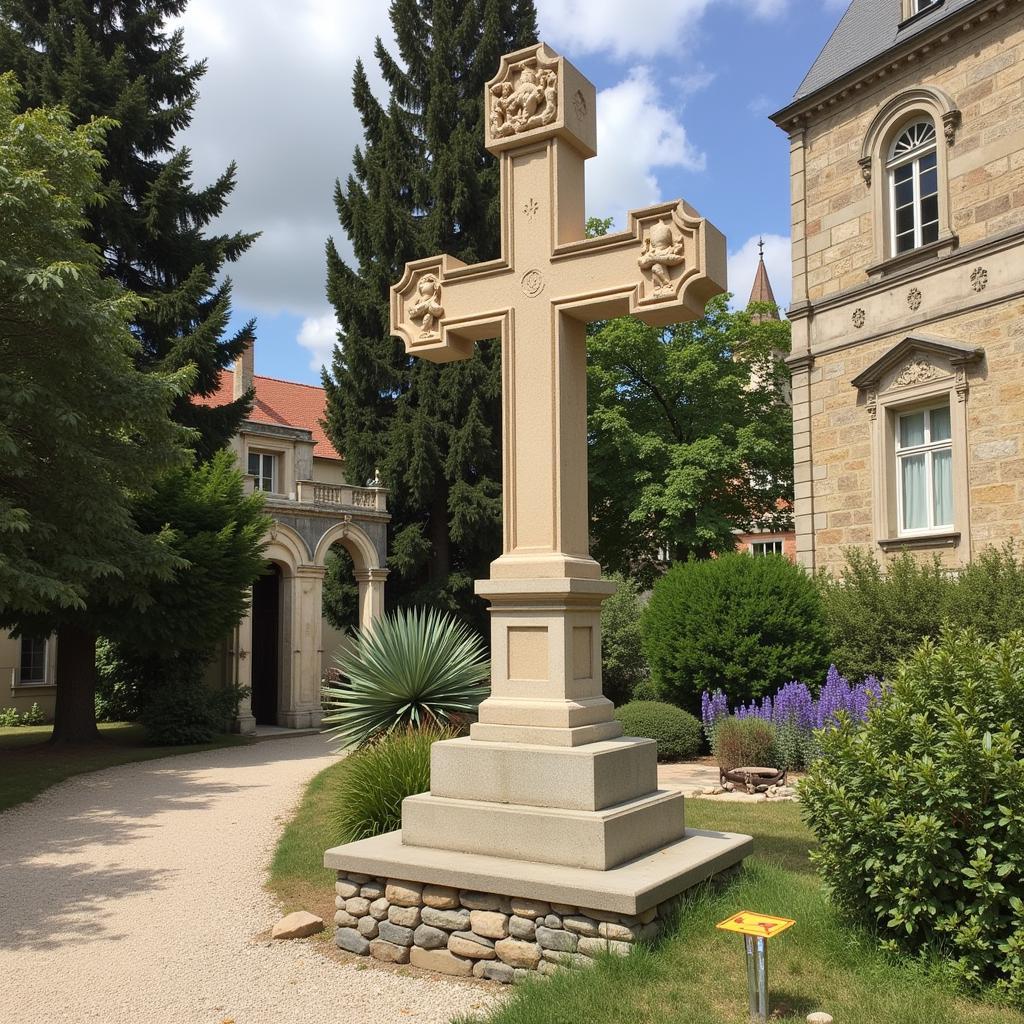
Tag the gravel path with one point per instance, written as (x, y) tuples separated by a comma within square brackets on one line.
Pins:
[(135, 894)]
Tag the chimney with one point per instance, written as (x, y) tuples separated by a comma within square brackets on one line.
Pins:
[(244, 369)]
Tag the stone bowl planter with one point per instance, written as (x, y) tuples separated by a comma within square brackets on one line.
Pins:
[(754, 779)]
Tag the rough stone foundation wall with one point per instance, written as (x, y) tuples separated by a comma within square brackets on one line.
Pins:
[(480, 934)]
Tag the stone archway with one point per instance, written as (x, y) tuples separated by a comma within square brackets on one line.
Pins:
[(369, 574)]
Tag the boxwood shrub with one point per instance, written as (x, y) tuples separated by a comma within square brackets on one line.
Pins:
[(919, 811), (741, 624), (678, 733)]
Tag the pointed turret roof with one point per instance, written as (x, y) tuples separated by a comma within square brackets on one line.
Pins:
[(762, 290)]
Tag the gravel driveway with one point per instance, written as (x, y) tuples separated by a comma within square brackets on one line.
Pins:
[(136, 894)]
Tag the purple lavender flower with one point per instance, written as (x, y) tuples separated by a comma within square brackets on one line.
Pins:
[(713, 706), (794, 705)]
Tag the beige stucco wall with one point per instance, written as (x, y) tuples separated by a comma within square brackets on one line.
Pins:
[(12, 692), (851, 306)]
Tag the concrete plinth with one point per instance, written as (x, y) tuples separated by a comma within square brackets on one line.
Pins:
[(631, 888)]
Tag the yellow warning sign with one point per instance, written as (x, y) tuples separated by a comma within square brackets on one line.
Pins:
[(748, 923)]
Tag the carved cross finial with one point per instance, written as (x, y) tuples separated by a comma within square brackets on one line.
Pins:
[(760, 247)]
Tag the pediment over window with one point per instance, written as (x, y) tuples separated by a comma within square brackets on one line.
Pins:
[(917, 359)]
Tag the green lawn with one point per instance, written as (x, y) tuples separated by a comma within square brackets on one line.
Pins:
[(695, 974), (28, 764)]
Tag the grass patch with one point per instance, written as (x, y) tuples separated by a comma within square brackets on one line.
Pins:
[(297, 874), (696, 974), (28, 764)]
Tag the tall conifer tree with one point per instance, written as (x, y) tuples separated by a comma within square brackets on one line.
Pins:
[(422, 184), (116, 58)]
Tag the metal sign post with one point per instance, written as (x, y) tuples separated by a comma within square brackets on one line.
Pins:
[(756, 930)]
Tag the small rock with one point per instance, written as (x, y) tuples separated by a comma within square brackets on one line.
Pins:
[(453, 920), (517, 953), (728, 786), (395, 933), (547, 967), (441, 961), (468, 944), (343, 919), (440, 897), (379, 909), (761, 788), (489, 923), (595, 947), (716, 791), (620, 932), (367, 927), (649, 915), (359, 879), (388, 952), (372, 891), (346, 889), (522, 927), (405, 894), (351, 940), (605, 915), (339, 902), (580, 925), (407, 917), (530, 909), (552, 921), (819, 1018), (557, 938), (297, 925), (478, 968), (520, 974), (479, 900), (357, 906), (494, 971), (563, 908), (429, 938), (567, 959)]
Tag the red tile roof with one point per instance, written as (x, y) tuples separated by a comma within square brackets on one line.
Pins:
[(282, 403)]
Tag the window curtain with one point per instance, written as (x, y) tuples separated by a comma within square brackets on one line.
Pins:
[(914, 487), (942, 487)]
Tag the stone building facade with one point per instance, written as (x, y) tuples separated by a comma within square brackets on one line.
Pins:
[(283, 646), (907, 173)]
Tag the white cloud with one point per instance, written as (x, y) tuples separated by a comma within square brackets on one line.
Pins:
[(777, 260), (622, 175), (648, 28), (318, 334)]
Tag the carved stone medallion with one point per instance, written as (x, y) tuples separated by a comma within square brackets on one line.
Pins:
[(527, 98), (917, 371), (859, 318), (979, 279), (533, 283), (914, 299), (530, 208)]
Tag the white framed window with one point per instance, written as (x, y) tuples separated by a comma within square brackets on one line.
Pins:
[(922, 5), (33, 661), (924, 470), (263, 467), (766, 547), (914, 187)]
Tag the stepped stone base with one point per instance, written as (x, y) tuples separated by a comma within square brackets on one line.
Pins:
[(484, 933), (631, 888)]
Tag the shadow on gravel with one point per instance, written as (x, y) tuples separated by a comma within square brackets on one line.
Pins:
[(57, 884)]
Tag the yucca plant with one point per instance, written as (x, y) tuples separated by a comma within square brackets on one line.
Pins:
[(417, 667), (366, 799)]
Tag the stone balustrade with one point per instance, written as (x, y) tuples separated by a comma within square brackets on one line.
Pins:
[(314, 492)]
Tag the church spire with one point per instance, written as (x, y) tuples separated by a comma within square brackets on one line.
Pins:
[(762, 290)]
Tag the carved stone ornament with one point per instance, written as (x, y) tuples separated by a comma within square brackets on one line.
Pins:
[(865, 169), (526, 99), (872, 403), (917, 371), (979, 279), (950, 123), (530, 208), (914, 299), (532, 283), (961, 384), (579, 105), (426, 306), (659, 254), (859, 318)]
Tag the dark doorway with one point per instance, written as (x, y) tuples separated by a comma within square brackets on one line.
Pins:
[(266, 631)]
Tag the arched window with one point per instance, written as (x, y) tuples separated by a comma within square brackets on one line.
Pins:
[(914, 187)]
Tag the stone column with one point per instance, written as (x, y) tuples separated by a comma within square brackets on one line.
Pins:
[(371, 596), (241, 661), (303, 646)]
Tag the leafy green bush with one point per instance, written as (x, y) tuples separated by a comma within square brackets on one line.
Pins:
[(875, 615), (919, 811), (737, 623), (9, 718), (678, 733), (189, 712), (34, 715), (367, 798), (646, 690), (744, 743), (416, 667), (623, 666), (119, 697)]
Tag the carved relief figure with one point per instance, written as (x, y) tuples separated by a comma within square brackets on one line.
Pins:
[(659, 253), (427, 306), (530, 102), (917, 371)]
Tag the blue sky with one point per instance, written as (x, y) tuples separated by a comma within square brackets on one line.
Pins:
[(684, 90)]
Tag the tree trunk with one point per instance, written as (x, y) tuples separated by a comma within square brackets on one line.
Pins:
[(74, 720)]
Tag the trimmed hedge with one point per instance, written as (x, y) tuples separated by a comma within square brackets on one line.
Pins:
[(678, 733), (919, 811), (737, 623)]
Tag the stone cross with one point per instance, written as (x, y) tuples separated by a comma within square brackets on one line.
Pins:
[(537, 297)]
